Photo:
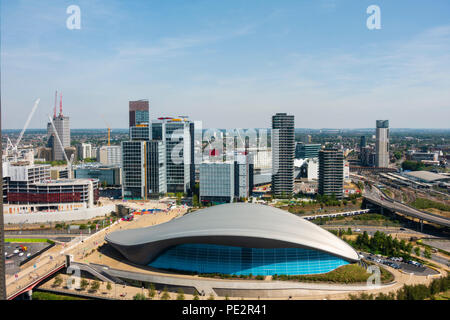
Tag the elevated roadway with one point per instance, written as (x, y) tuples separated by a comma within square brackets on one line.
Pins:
[(375, 196)]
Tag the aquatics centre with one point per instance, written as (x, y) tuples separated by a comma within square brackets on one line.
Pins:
[(235, 239)]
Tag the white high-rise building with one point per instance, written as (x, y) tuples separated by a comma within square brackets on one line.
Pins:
[(62, 126), (382, 144), (110, 155), (84, 151)]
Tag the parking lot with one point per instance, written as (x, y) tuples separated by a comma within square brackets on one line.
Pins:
[(416, 269), (14, 257)]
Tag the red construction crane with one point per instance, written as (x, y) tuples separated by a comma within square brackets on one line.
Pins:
[(60, 106)]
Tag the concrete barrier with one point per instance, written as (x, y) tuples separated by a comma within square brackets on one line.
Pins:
[(45, 217)]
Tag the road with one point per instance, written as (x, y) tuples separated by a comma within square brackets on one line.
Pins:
[(375, 196)]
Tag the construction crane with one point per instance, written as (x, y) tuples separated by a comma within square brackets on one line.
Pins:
[(109, 130), (69, 162), (14, 147)]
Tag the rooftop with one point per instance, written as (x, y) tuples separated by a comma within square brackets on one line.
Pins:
[(427, 176)]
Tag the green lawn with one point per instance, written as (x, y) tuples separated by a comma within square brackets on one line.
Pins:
[(26, 240), (350, 273), (37, 295), (422, 203)]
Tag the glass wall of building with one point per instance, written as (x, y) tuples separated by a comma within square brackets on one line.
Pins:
[(208, 258)]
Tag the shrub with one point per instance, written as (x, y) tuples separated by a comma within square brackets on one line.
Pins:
[(151, 291), (139, 296), (165, 295), (95, 285), (180, 295), (84, 283)]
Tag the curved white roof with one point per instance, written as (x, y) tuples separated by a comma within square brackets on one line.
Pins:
[(240, 220)]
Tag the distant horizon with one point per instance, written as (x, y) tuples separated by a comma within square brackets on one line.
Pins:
[(204, 128)]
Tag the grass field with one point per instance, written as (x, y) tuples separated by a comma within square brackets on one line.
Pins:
[(37, 295), (350, 273), (24, 240)]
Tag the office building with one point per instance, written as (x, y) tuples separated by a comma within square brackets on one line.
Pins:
[(106, 175), (425, 156), (156, 169), (331, 173), (140, 133), (363, 143), (217, 180), (178, 136), (382, 144), (139, 113), (283, 151), (307, 151), (144, 169), (243, 176)]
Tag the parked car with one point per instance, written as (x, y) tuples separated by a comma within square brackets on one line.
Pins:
[(357, 230)]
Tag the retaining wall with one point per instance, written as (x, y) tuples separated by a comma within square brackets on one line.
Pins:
[(45, 217)]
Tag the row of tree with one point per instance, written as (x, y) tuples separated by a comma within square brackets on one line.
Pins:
[(411, 292), (383, 244)]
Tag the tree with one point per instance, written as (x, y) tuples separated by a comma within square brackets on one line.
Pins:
[(95, 285), (165, 295), (58, 281), (139, 296), (196, 296), (211, 297), (427, 253), (417, 251), (84, 283), (151, 291), (108, 286), (180, 295), (195, 201)]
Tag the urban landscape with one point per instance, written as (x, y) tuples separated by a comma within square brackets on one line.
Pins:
[(139, 201)]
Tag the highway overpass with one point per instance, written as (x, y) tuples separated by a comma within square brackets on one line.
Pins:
[(375, 196)]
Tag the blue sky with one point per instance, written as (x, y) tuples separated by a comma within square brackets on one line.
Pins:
[(229, 63)]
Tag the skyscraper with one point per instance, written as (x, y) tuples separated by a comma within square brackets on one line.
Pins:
[(144, 169), (363, 143), (139, 113), (331, 172), (177, 137), (62, 126), (382, 144), (283, 151)]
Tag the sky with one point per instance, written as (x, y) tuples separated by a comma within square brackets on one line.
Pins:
[(228, 63)]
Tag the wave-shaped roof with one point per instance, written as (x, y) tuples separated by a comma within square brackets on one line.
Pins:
[(239, 224)]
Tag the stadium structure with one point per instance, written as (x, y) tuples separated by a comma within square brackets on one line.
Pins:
[(236, 239)]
